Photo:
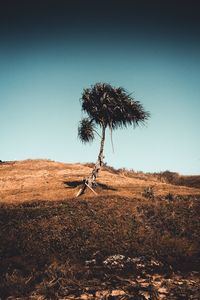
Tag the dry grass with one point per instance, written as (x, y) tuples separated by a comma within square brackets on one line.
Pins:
[(47, 235), (32, 180)]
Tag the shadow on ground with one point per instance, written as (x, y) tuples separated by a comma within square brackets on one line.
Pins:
[(76, 183)]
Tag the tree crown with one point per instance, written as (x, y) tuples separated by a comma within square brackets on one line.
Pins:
[(108, 106)]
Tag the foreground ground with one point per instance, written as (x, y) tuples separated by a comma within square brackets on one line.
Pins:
[(137, 239)]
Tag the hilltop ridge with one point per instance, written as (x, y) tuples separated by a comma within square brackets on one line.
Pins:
[(28, 180)]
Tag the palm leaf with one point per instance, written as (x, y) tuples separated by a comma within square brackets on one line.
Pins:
[(113, 107), (86, 130)]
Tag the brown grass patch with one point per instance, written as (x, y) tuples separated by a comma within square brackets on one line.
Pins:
[(45, 243)]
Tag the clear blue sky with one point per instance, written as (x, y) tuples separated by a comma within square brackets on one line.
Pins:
[(42, 75)]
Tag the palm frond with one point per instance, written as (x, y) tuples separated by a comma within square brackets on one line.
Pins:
[(113, 107), (86, 130)]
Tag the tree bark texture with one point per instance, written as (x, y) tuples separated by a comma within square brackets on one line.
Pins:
[(90, 181)]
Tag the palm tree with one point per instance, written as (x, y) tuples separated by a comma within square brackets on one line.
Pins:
[(106, 107)]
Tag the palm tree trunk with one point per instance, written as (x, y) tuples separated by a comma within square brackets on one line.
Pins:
[(90, 181)]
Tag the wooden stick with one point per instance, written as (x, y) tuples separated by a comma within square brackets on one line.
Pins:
[(91, 188), (79, 192)]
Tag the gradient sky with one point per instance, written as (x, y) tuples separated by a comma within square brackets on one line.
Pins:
[(51, 50)]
